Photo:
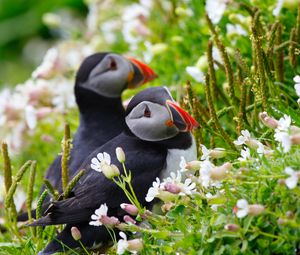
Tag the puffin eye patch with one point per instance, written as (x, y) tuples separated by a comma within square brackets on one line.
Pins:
[(147, 112), (112, 64)]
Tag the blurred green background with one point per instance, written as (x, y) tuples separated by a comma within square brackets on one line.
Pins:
[(24, 38)]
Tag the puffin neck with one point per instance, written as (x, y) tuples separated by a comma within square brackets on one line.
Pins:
[(92, 105), (181, 141)]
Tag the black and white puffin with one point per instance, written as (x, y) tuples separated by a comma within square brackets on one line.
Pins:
[(100, 81), (157, 133)]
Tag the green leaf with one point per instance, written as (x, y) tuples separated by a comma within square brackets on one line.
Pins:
[(176, 212)]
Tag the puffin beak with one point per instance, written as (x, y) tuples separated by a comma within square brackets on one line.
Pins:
[(181, 119), (147, 73)]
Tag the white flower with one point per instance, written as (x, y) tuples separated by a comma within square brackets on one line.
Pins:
[(284, 123), (64, 95), (261, 148), (122, 243), (153, 191), (134, 246), (242, 208), (205, 172), (49, 65), (291, 182), (30, 116), (135, 11), (98, 162), (196, 73), (296, 79), (297, 85), (215, 9), (245, 154), (282, 133), (205, 152), (183, 164), (242, 139), (278, 7), (96, 218), (235, 29), (173, 178), (284, 139), (188, 187)]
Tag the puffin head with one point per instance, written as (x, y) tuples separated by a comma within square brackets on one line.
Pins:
[(108, 74), (153, 115)]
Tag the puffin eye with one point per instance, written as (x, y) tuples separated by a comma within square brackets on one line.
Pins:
[(147, 112), (112, 65)]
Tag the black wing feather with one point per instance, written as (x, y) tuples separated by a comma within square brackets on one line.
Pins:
[(145, 160)]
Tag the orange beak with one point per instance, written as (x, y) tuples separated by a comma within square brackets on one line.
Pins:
[(181, 119), (145, 70)]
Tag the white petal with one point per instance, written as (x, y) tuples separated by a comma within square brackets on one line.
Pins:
[(107, 158), (195, 73), (94, 217), (289, 170), (95, 223), (30, 116), (242, 213), (123, 235), (242, 203), (296, 79), (297, 88), (100, 157), (291, 182), (96, 168), (95, 161), (246, 133)]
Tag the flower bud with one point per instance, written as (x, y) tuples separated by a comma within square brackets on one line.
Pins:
[(129, 208), (120, 154), (135, 245), (232, 227), (166, 196), (172, 188), (295, 130), (167, 207), (217, 153), (109, 221), (180, 11), (193, 165), (267, 120), (176, 38), (290, 214), (281, 221), (110, 171), (281, 182), (75, 233), (52, 20), (129, 220), (295, 138), (219, 173), (159, 48), (298, 102), (256, 209), (202, 63)]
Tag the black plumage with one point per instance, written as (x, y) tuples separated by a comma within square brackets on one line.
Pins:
[(145, 160)]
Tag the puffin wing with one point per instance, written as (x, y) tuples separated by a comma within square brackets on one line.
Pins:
[(144, 160)]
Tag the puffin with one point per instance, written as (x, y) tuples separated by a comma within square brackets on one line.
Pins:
[(99, 83), (157, 133)]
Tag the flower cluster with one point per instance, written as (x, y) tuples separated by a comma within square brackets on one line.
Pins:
[(170, 188), (297, 87), (50, 90)]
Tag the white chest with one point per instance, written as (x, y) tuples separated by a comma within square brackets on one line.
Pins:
[(174, 157)]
